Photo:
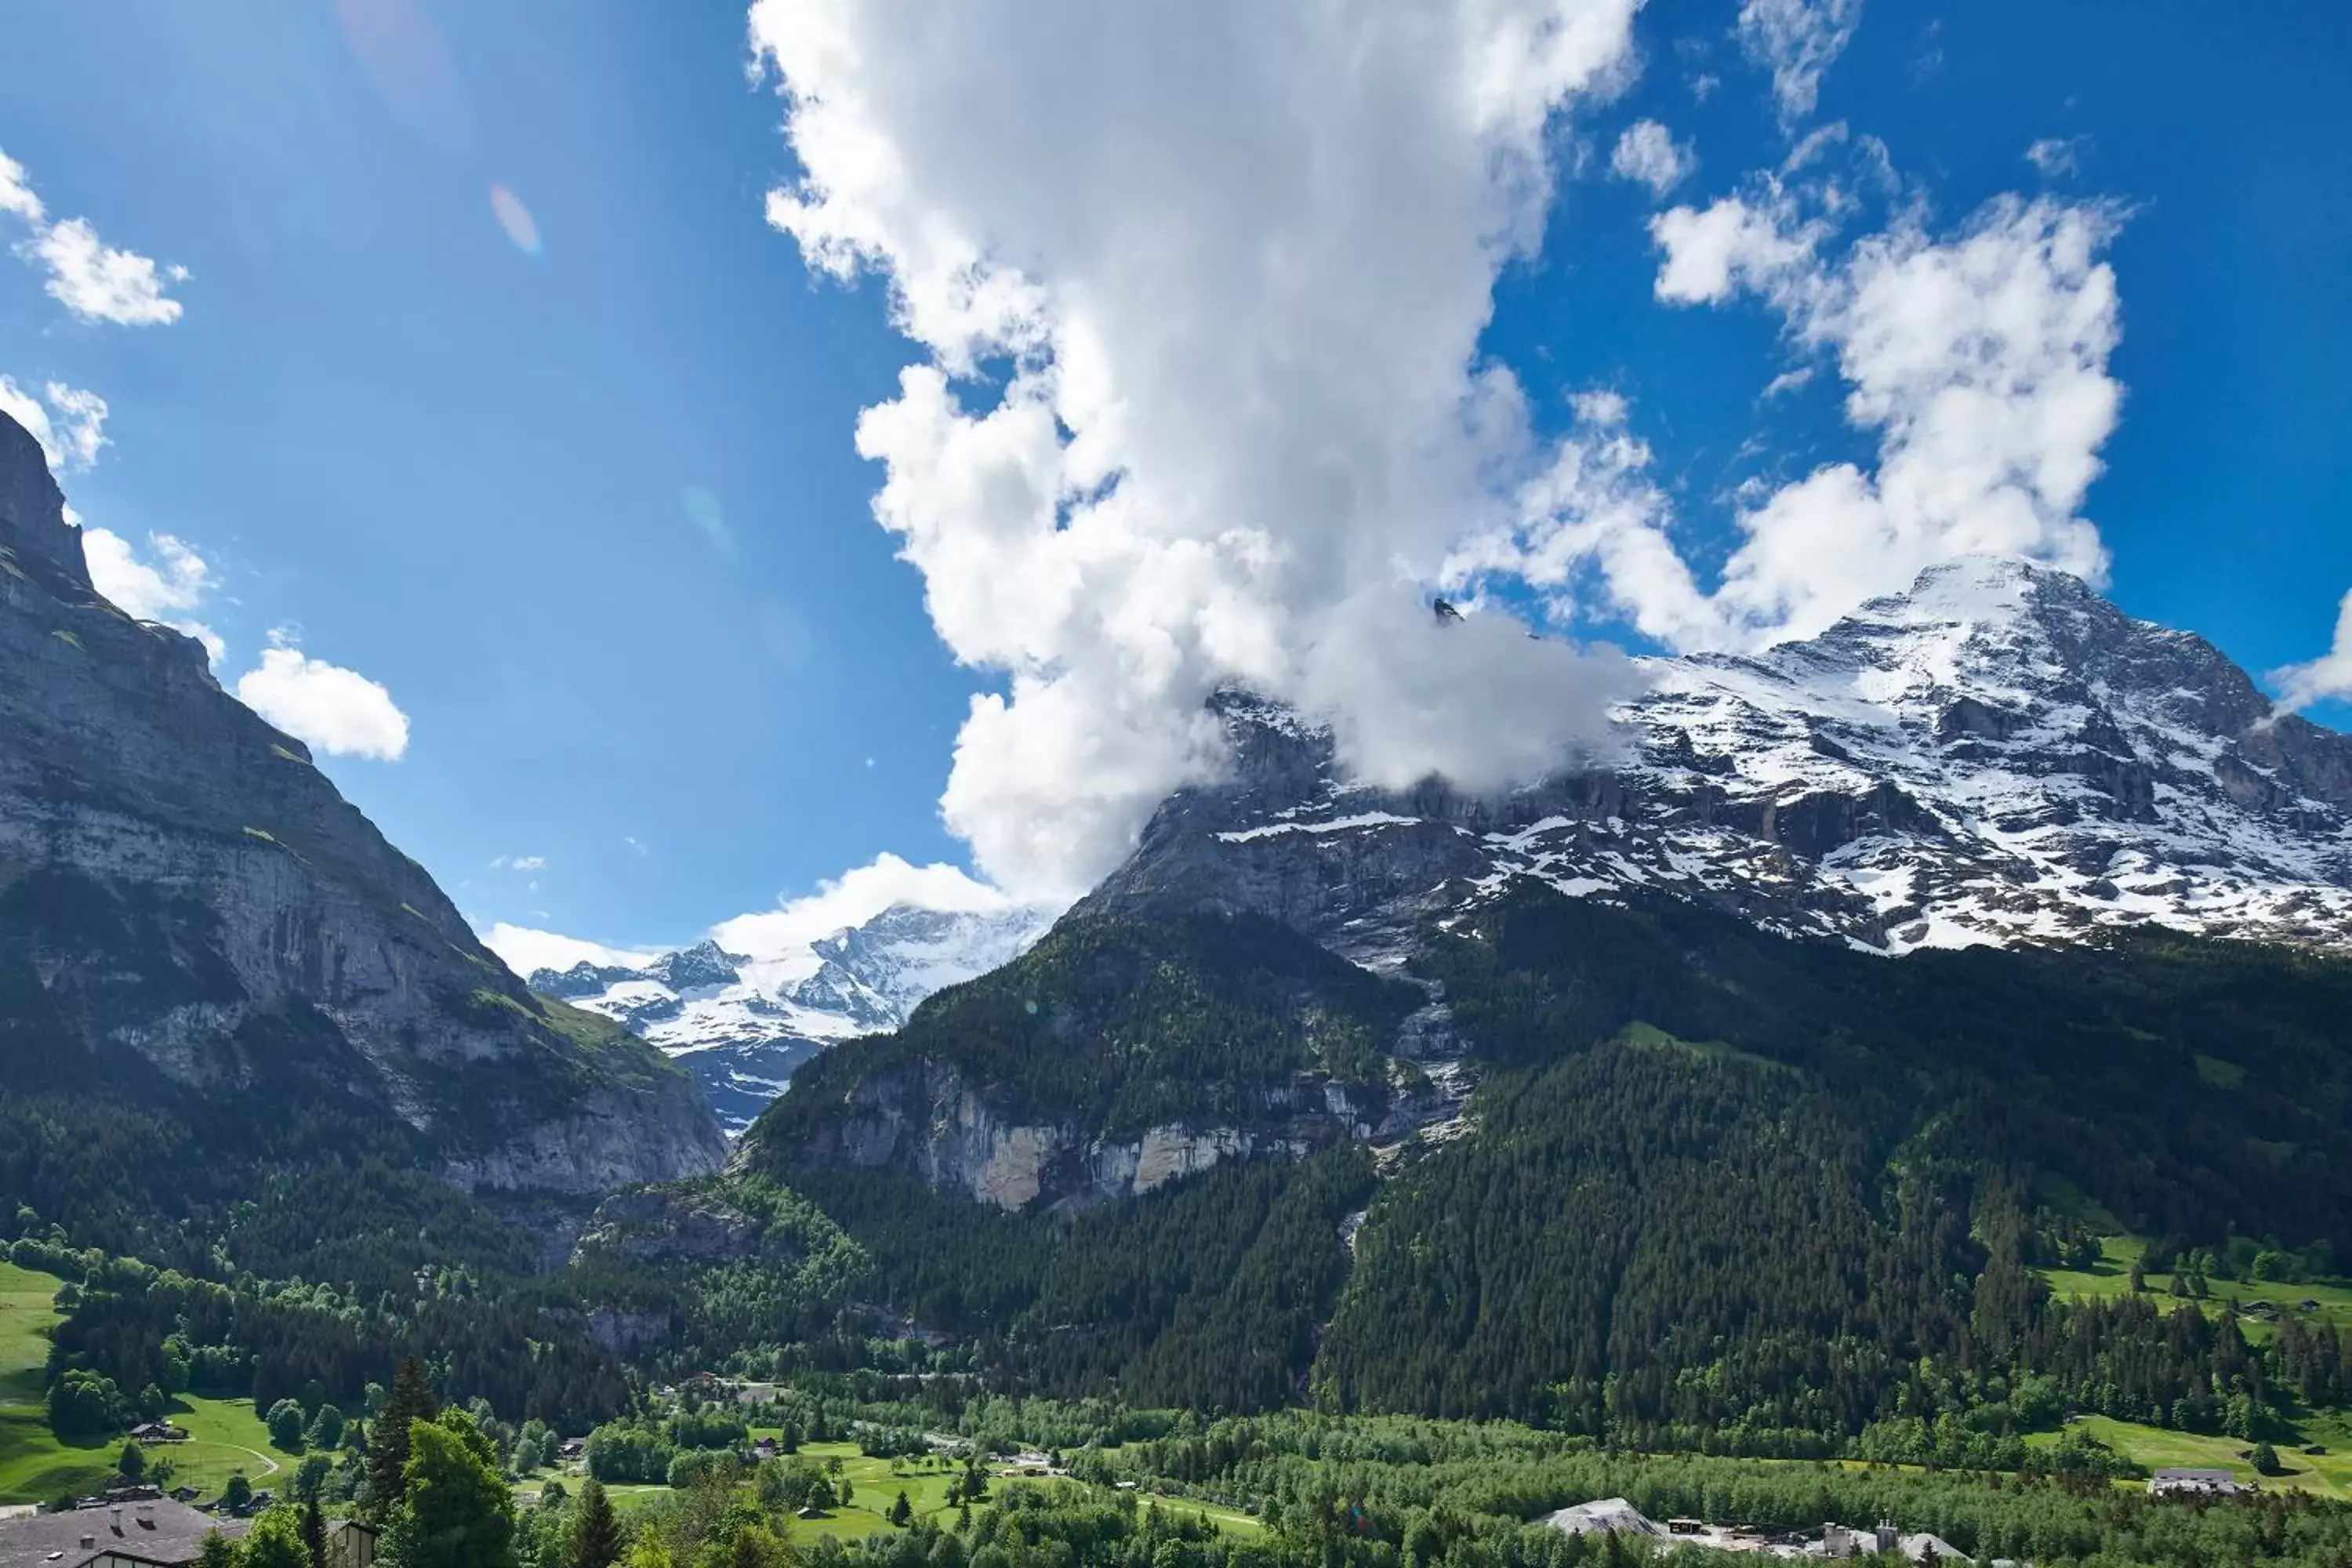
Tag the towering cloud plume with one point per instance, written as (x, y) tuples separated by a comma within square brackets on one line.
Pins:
[(1200, 286)]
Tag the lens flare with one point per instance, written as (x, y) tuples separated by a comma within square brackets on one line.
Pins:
[(515, 218), (412, 69), (703, 511)]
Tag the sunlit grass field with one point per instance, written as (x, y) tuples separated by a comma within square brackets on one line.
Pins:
[(875, 1485), (225, 1435), (2328, 1475), (2111, 1275)]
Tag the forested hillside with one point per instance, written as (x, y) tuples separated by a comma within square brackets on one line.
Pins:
[(1716, 1188)]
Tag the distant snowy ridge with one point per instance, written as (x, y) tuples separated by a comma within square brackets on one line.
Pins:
[(741, 1023)]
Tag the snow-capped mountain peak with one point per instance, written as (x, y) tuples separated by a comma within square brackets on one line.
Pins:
[(1999, 755), (743, 1022)]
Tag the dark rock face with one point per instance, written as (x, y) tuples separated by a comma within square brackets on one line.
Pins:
[(582, 979), (178, 885), (929, 1119), (692, 968), (1997, 755)]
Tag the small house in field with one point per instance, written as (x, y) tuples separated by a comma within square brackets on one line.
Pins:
[(2185, 1483)]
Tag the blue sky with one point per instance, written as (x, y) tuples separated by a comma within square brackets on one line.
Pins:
[(594, 516)]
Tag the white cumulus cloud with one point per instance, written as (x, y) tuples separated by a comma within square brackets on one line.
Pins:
[(2057, 155), (854, 898), (69, 422), (1648, 153), (1731, 243), (338, 710), (17, 197), (1228, 264), (172, 580), (2326, 678), (524, 949), (1797, 42), (163, 584), (95, 280), (1979, 361), (519, 863)]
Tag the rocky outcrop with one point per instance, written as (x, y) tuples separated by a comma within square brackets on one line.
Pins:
[(186, 900), (929, 1119)]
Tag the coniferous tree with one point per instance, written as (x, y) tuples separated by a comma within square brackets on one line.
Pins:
[(596, 1539), (314, 1532), (410, 1401)]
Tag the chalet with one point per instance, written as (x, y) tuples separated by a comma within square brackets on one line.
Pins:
[(351, 1544), (2308, 1304), (2193, 1483), (157, 1432), (156, 1534)]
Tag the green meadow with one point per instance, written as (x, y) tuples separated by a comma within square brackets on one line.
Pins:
[(224, 1436), (2111, 1275), (875, 1485)]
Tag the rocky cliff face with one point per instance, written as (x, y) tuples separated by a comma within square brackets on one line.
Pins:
[(1998, 755), (186, 900), (934, 1121)]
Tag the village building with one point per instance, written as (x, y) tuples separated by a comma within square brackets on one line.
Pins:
[(157, 1533), (1616, 1516), (351, 1544), (2193, 1483)]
